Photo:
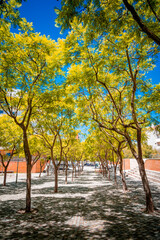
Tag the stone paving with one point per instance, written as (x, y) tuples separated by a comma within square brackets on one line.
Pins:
[(90, 208)]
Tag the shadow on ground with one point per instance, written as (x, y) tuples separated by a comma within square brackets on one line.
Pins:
[(81, 210)]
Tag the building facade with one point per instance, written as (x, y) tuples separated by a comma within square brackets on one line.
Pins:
[(153, 138)]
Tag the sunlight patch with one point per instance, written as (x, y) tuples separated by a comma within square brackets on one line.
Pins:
[(92, 226)]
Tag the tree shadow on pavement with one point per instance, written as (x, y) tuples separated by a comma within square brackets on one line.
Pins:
[(81, 210)]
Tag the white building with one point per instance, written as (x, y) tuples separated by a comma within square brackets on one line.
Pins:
[(153, 138)]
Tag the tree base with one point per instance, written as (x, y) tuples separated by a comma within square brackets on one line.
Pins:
[(23, 211), (154, 212)]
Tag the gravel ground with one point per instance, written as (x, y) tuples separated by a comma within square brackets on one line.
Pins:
[(91, 207)]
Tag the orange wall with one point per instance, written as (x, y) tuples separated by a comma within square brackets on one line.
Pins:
[(36, 167), (22, 167), (152, 164), (3, 152), (126, 164)]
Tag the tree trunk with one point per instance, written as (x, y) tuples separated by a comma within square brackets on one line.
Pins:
[(63, 167), (17, 170), (103, 169), (108, 170), (78, 169), (100, 169), (115, 173), (56, 179), (28, 193), (149, 201), (48, 165), (40, 171), (82, 165), (122, 174), (72, 171), (75, 172), (66, 172), (29, 167), (72, 174), (109, 178), (5, 176)]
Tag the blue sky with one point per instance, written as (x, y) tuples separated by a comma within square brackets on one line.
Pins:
[(41, 14)]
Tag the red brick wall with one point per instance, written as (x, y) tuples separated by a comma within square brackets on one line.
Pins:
[(152, 164), (22, 167), (126, 164), (36, 167), (13, 167), (3, 152)]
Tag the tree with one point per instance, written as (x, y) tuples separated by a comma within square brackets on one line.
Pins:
[(97, 149), (43, 162), (10, 139), (36, 148), (110, 76), (70, 139), (54, 124), (26, 74), (118, 144), (106, 16)]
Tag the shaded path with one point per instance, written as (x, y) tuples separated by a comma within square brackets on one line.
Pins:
[(88, 208)]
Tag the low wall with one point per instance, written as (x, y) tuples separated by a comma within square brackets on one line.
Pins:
[(22, 167), (150, 164), (3, 152), (126, 164)]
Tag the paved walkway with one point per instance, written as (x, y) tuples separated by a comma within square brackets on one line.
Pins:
[(91, 207)]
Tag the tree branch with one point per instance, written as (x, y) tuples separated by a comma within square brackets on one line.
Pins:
[(144, 28)]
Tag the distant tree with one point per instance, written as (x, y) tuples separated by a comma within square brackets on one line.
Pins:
[(43, 162), (148, 151), (52, 125), (70, 139), (36, 148), (128, 153), (10, 139)]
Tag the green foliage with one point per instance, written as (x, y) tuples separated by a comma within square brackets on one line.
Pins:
[(148, 152), (109, 73), (10, 134), (27, 75), (108, 17), (105, 83), (9, 14), (10, 139)]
